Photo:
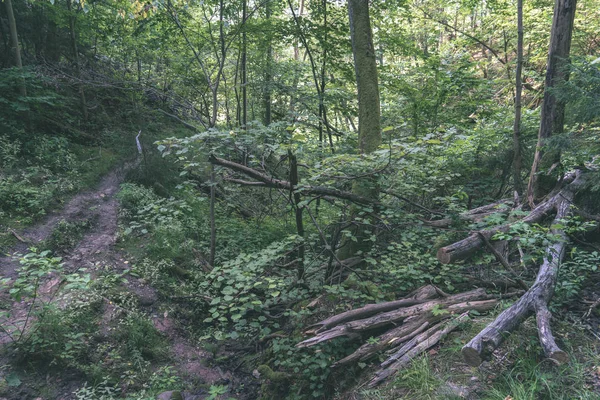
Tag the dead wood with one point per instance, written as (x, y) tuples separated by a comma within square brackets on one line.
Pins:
[(19, 237), (416, 346), (182, 122), (265, 180), (394, 337), (475, 214), (465, 247), (395, 316), (536, 299), (419, 296)]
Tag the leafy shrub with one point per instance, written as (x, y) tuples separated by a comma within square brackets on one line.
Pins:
[(52, 153), (573, 274), (133, 197), (243, 289), (20, 197), (10, 149)]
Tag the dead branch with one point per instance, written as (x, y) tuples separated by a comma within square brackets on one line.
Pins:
[(464, 248), (395, 316), (536, 299), (416, 346), (419, 296), (265, 180)]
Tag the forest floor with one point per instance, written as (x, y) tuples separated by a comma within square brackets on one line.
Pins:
[(441, 374), (97, 248)]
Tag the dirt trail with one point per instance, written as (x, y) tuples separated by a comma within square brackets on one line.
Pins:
[(99, 204), (97, 248)]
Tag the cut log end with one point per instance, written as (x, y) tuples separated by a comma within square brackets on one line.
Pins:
[(472, 356), (443, 256)]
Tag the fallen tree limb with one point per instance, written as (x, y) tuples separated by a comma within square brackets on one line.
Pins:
[(473, 215), (416, 346), (182, 122), (265, 180), (420, 296), (415, 323), (536, 299), (393, 337), (463, 248), (450, 304)]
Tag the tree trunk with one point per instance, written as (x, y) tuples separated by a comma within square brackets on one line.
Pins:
[(213, 226), (295, 198), (536, 299), (553, 110), (268, 73), (517, 159), (244, 72), (369, 132), (73, 35), (14, 42), (296, 59)]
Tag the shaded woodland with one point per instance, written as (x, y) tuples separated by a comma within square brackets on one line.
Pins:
[(295, 199)]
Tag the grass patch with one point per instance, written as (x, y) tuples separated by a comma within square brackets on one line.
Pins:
[(66, 235)]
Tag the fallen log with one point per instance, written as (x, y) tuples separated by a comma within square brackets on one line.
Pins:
[(390, 318), (536, 299), (416, 346), (473, 215), (415, 324), (465, 247), (419, 296)]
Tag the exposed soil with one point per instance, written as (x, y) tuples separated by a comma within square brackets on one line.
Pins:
[(97, 248)]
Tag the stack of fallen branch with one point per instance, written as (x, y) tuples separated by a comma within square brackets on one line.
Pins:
[(416, 323)]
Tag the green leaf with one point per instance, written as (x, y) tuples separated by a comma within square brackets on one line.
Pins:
[(13, 380)]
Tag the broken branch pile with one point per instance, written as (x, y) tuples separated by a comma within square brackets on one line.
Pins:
[(415, 324)]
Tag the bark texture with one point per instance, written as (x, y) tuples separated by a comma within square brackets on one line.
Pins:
[(369, 126), (536, 299), (14, 41), (414, 324), (553, 110)]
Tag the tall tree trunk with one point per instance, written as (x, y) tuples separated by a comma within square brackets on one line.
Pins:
[(517, 159), (553, 110), (14, 42), (296, 59), (244, 72), (369, 132), (213, 226), (296, 199), (73, 35), (268, 72)]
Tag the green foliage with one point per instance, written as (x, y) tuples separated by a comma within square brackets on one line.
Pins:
[(140, 339), (573, 274), (66, 235), (308, 372), (34, 267), (243, 290)]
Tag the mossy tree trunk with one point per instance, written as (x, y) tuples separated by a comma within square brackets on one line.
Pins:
[(369, 131)]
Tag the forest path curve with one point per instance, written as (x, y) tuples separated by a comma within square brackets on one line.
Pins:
[(95, 248)]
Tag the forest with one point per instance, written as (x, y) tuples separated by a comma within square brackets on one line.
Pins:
[(299, 199)]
